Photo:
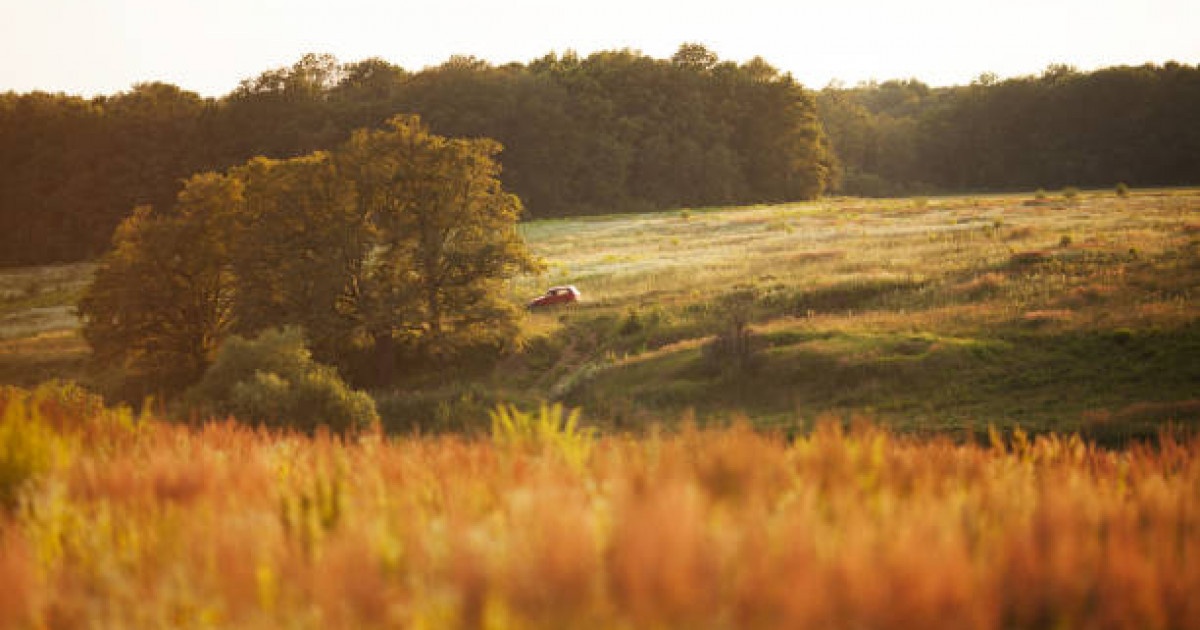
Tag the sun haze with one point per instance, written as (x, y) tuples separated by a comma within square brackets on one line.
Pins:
[(104, 46)]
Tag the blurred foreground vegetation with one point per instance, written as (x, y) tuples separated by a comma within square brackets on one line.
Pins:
[(111, 519)]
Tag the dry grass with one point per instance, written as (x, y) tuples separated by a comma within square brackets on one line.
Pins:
[(981, 248), (141, 524)]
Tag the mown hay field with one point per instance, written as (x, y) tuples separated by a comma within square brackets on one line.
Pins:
[(112, 520)]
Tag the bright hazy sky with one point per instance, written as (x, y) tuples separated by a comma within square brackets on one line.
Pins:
[(104, 46)]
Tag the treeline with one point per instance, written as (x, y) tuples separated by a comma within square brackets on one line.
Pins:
[(1136, 125), (614, 131)]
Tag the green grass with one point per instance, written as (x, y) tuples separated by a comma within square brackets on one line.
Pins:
[(944, 313), (958, 312)]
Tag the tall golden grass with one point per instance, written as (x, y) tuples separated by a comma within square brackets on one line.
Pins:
[(138, 523)]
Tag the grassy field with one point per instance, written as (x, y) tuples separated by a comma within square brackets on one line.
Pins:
[(931, 314), (113, 521), (938, 314), (811, 473)]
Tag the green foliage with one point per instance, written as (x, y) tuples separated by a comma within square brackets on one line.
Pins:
[(294, 247), (632, 324), (552, 430), (734, 350), (75, 167), (273, 380), (392, 252), (1070, 193), (27, 446), (452, 407), (445, 239), (160, 301), (614, 130), (892, 137), (1122, 190)]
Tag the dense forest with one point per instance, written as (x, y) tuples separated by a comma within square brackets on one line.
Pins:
[(611, 132), (615, 131), (1135, 125)]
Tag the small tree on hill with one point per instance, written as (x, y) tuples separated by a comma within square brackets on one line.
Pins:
[(734, 349)]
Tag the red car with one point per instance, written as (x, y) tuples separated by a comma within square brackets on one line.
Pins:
[(566, 294)]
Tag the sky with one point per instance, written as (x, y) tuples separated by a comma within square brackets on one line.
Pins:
[(92, 47)]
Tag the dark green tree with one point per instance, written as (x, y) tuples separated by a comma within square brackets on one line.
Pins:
[(445, 240), (162, 299)]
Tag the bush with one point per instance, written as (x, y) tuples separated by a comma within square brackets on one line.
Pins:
[(459, 407), (1070, 193), (734, 349), (1122, 189), (273, 380), (632, 324)]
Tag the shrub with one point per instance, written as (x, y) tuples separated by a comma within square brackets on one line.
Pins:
[(273, 380), (1070, 193), (1122, 189), (459, 407), (734, 349), (632, 324)]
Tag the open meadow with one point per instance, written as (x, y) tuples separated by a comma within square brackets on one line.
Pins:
[(1063, 311), (1066, 311)]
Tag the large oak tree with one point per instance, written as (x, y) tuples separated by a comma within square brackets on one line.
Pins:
[(391, 251)]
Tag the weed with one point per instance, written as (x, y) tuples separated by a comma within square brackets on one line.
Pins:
[(27, 445), (552, 430)]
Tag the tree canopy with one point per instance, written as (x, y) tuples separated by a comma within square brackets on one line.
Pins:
[(1062, 128), (614, 131), (390, 251), (611, 132)]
